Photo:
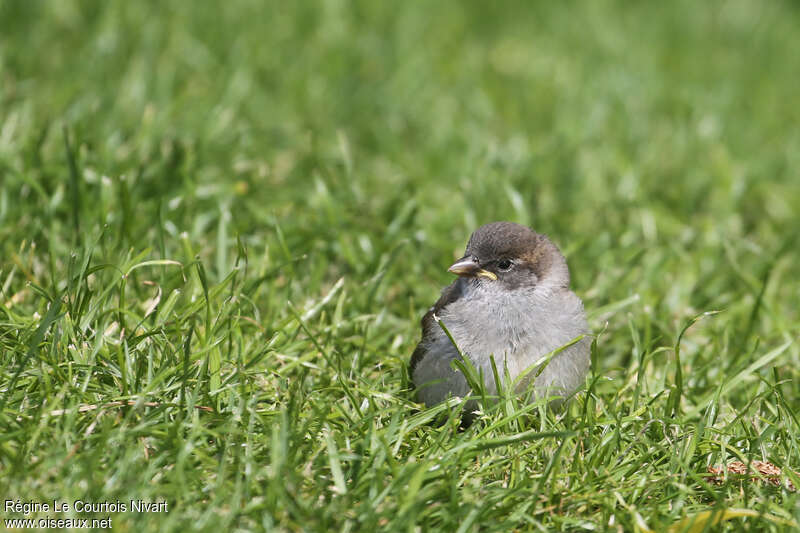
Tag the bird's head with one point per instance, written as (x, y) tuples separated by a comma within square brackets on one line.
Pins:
[(512, 256)]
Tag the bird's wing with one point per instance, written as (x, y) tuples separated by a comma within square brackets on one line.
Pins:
[(450, 294)]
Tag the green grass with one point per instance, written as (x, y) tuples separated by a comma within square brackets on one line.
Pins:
[(220, 225)]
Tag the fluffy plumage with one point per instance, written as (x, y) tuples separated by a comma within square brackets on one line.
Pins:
[(511, 300)]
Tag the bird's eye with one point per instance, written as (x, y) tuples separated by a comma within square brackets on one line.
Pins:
[(504, 264)]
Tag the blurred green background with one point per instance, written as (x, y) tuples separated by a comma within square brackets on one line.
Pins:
[(655, 142), (604, 125)]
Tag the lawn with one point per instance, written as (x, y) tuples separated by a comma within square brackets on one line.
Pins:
[(220, 224)]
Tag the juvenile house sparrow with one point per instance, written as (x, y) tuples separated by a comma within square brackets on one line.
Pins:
[(511, 300)]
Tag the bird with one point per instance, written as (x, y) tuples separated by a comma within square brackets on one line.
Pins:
[(511, 301)]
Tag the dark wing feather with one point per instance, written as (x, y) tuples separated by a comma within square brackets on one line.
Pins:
[(450, 294)]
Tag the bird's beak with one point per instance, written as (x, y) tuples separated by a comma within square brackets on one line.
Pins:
[(467, 266)]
